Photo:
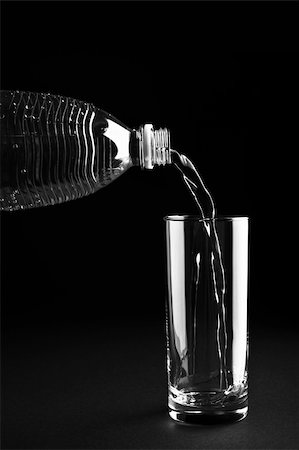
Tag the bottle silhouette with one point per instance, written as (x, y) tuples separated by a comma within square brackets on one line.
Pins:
[(55, 149)]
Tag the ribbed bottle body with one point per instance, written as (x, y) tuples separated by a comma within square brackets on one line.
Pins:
[(55, 149)]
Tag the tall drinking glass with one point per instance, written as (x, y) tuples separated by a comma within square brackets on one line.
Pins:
[(207, 319)]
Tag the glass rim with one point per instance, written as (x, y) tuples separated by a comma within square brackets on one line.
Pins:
[(193, 217)]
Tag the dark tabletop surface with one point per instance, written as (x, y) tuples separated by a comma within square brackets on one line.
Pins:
[(100, 386)]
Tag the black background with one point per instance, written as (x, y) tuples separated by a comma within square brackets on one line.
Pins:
[(224, 79)]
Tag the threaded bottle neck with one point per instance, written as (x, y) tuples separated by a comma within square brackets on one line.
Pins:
[(154, 146)]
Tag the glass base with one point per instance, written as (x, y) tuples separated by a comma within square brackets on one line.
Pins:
[(202, 417)]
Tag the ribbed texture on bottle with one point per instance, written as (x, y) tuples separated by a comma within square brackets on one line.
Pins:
[(50, 151)]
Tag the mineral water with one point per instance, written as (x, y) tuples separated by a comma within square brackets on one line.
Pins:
[(217, 382), (55, 149)]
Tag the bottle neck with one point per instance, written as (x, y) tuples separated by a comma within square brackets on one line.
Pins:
[(153, 146)]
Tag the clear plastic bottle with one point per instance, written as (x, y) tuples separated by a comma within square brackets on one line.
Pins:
[(55, 149)]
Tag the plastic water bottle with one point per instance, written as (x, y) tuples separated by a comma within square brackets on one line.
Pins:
[(55, 149)]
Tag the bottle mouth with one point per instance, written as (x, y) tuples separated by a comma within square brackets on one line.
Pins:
[(154, 146)]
